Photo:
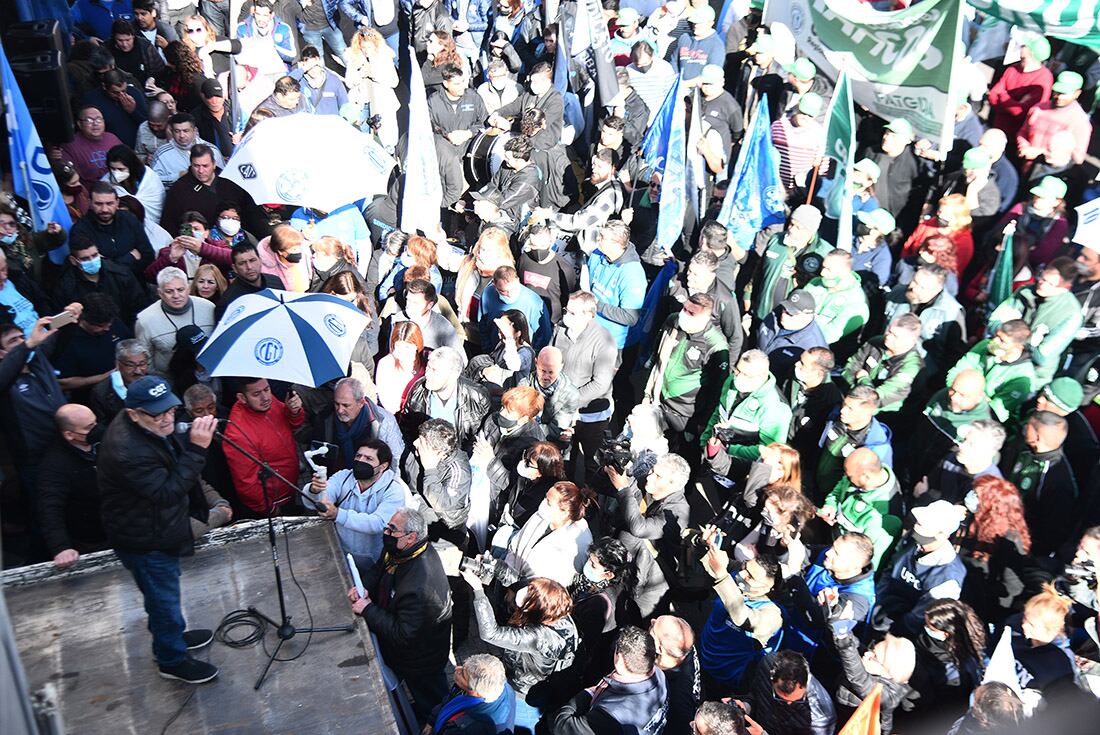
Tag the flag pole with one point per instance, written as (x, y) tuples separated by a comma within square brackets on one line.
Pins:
[(813, 185), (35, 223)]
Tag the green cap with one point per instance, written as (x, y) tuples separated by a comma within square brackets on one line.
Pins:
[(1050, 187), (878, 219), (975, 158), (1039, 47), (756, 4), (802, 69), (764, 44), (1065, 393), (901, 127), (811, 104), (1068, 82), (869, 167)]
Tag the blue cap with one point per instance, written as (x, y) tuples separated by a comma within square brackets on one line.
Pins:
[(151, 394)]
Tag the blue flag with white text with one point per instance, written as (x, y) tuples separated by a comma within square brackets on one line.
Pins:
[(674, 180), (654, 146), (755, 196), (32, 176)]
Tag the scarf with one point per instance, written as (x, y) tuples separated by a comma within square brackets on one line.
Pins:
[(345, 435)]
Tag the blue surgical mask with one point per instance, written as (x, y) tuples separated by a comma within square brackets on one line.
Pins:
[(9, 238), (91, 267)]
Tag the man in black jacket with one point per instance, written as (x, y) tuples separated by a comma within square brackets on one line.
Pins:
[(150, 488), (249, 277), (409, 609), (812, 396), (68, 492), (444, 394), (86, 272)]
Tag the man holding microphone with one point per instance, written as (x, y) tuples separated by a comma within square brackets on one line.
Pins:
[(150, 488)]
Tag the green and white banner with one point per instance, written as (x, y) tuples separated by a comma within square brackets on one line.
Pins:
[(1071, 20), (900, 64)]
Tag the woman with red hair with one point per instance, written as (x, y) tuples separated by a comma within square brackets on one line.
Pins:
[(951, 219), (401, 367), (938, 250), (993, 546), (501, 442)]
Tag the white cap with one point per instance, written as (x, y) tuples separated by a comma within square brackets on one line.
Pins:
[(939, 517)]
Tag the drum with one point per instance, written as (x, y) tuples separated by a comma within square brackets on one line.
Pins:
[(484, 157)]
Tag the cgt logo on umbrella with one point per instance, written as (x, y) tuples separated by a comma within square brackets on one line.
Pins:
[(335, 325), (268, 351)]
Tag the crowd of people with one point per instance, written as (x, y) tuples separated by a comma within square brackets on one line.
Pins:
[(721, 487)]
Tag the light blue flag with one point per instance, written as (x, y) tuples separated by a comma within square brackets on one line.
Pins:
[(655, 143), (674, 181), (31, 173), (422, 197), (755, 197)]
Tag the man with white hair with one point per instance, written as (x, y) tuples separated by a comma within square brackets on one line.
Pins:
[(654, 533), (409, 609), (444, 394), (175, 315), (351, 420), (481, 699), (994, 142), (975, 456)]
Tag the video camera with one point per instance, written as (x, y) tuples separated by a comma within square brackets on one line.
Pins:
[(614, 453), (488, 569)]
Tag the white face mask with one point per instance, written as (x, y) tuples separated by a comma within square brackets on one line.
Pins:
[(229, 226), (590, 573), (407, 259), (799, 375), (527, 471), (935, 634), (119, 176)]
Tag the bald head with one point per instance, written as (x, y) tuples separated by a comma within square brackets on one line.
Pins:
[(74, 421), (548, 365), (864, 468), (967, 391), (674, 639), (158, 112)]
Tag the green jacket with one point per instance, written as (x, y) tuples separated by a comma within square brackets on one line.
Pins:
[(1054, 323), (759, 418), (866, 511), (1007, 384), (776, 274), (692, 374), (840, 311), (891, 377)]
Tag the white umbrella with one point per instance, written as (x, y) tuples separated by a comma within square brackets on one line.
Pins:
[(319, 161), (304, 338)]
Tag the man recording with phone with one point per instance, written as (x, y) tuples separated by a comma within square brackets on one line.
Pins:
[(361, 501), (150, 489)]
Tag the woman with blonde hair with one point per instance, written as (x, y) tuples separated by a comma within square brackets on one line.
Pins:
[(475, 272), (209, 283), (371, 78), (951, 219), (330, 256), (1039, 642)]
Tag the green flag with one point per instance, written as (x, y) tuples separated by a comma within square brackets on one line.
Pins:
[(1000, 280), (1077, 21), (840, 143), (900, 63)]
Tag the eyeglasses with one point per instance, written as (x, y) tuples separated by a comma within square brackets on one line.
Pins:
[(157, 416), (91, 120), (392, 530), (134, 365), (195, 30)]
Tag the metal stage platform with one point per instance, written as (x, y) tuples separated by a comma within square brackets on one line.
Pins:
[(85, 632)]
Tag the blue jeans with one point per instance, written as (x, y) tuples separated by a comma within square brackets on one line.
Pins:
[(331, 36), (158, 577)]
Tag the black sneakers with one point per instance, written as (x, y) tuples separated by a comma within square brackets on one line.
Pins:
[(190, 671), (198, 638)]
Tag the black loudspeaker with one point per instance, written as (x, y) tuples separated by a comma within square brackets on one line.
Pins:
[(41, 77), (34, 50), (32, 37)]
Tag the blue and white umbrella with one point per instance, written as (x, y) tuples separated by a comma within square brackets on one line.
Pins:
[(304, 338)]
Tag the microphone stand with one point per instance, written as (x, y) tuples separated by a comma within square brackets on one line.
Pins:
[(283, 627)]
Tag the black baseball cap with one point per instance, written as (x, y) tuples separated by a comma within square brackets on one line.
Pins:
[(798, 302)]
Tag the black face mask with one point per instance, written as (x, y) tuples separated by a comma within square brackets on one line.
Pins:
[(538, 254), (862, 230), (95, 436), (921, 539), (362, 470), (293, 257), (504, 422), (389, 544)]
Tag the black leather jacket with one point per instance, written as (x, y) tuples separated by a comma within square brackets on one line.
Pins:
[(473, 405)]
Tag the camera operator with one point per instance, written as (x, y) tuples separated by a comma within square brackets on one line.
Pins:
[(1079, 580), (653, 535)]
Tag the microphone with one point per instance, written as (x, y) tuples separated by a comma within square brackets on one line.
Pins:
[(182, 427)]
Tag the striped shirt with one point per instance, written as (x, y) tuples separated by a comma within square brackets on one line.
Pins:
[(799, 148)]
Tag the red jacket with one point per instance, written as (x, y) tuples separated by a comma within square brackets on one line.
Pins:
[(964, 242), (266, 436), (1013, 96), (210, 252)]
